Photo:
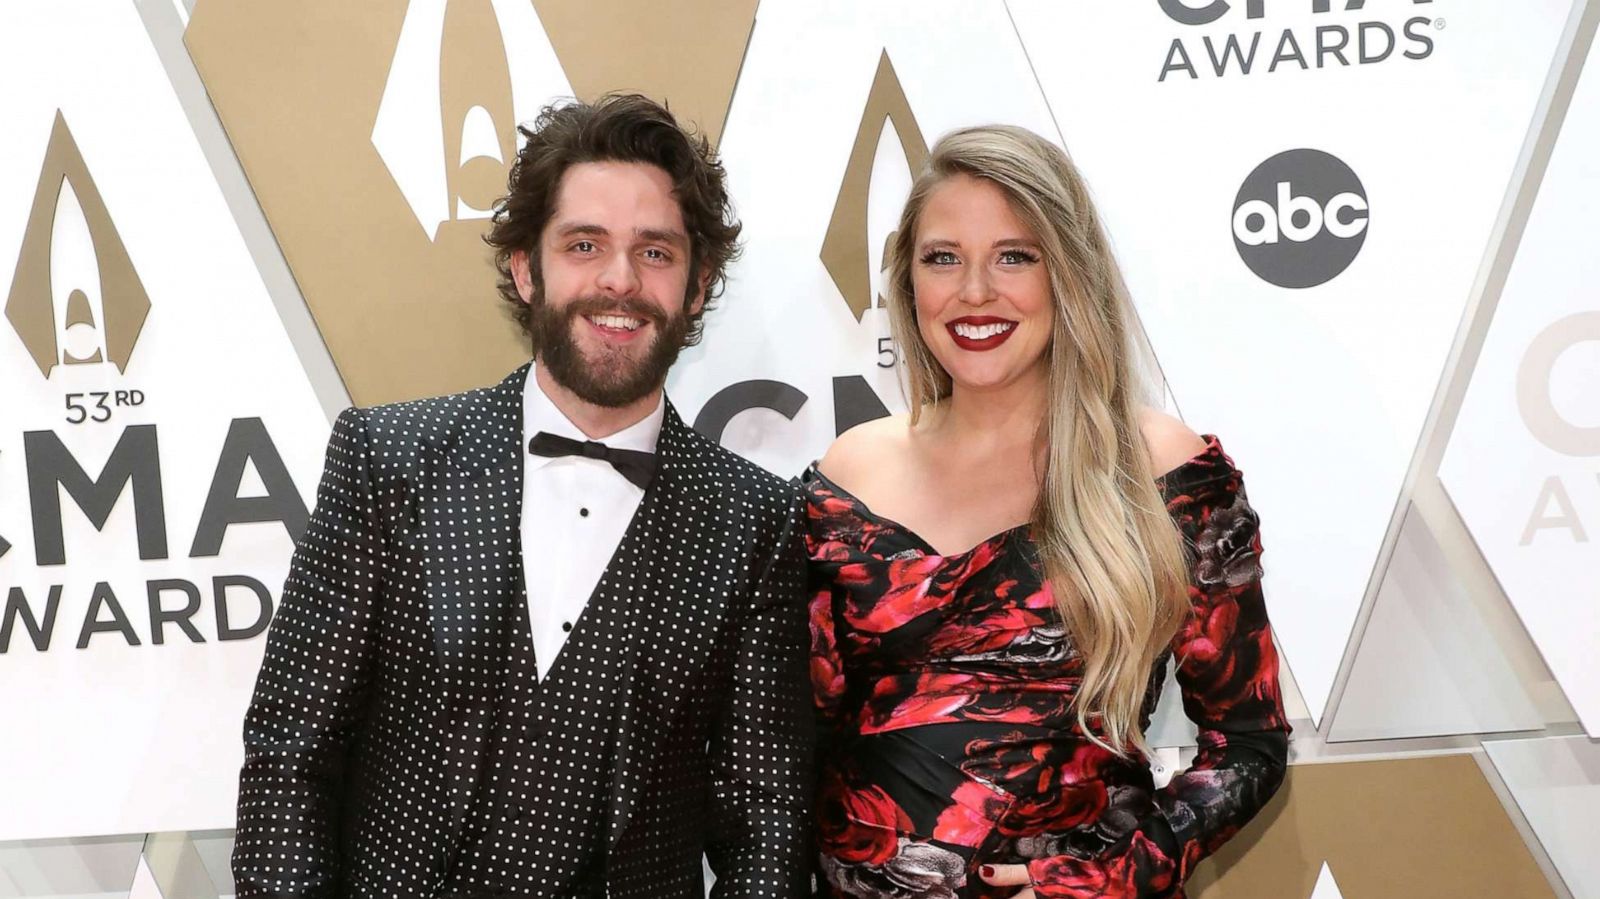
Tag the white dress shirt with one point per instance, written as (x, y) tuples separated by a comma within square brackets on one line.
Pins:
[(574, 513)]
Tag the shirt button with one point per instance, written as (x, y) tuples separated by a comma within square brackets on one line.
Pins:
[(566, 626), (584, 512)]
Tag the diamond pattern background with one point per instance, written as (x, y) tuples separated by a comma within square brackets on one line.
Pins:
[(1419, 648)]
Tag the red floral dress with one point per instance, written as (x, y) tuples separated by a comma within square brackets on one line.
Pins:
[(944, 688)]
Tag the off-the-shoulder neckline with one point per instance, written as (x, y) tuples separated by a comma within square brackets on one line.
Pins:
[(1213, 447), (928, 548)]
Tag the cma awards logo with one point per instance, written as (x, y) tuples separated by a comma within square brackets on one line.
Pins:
[(1300, 218), (465, 72), (75, 297), (888, 150), (76, 300), (1337, 41)]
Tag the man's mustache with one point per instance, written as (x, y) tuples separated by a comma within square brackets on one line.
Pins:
[(631, 306)]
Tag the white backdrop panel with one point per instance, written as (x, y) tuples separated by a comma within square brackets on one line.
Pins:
[(1319, 392), (1523, 464), (127, 735)]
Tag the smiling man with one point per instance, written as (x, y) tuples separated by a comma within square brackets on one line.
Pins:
[(543, 639)]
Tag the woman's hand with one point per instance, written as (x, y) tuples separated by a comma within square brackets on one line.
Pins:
[(1008, 875)]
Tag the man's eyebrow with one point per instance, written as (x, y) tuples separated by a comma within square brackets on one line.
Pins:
[(670, 236), (566, 228), (664, 235)]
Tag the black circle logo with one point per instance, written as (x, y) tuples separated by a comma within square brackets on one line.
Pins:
[(1300, 218)]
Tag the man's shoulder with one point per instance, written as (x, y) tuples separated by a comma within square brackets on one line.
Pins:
[(735, 477), (438, 421), (427, 414)]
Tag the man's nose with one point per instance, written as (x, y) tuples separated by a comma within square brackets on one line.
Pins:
[(619, 277)]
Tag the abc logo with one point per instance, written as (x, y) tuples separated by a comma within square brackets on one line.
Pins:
[(1300, 218)]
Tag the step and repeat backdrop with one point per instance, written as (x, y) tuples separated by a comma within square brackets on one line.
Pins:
[(1310, 199)]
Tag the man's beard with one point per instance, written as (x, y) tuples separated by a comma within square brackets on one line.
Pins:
[(613, 376)]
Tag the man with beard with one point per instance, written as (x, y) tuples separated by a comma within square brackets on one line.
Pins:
[(542, 639)]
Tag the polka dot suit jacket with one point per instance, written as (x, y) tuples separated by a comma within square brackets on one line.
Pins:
[(392, 701)]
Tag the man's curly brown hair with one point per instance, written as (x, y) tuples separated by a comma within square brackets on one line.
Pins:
[(615, 128)]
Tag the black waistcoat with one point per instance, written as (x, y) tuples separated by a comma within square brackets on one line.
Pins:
[(539, 823)]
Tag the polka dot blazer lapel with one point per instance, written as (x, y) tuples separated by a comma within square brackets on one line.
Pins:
[(466, 538)]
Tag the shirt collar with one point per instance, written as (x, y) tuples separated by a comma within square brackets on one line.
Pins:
[(539, 413)]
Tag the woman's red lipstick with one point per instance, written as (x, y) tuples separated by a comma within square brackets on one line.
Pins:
[(996, 329)]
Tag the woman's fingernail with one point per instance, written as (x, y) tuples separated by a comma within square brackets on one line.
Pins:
[(986, 870)]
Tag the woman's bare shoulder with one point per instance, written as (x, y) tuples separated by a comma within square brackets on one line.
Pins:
[(864, 448), (1168, 440)]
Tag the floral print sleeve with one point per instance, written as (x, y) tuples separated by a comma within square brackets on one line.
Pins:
[(827, 668), (1228, 672), (828, 523)]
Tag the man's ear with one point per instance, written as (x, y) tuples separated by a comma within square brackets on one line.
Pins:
[(522, 275)]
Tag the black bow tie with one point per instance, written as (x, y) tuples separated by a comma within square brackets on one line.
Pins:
[(638, 467)]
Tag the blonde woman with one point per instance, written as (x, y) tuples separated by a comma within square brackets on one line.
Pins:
[(1002, 576)]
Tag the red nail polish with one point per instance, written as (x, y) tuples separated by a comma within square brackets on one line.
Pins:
[(986, 870)]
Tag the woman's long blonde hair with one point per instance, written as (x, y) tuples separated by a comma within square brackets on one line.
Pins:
[(1110, 551)]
